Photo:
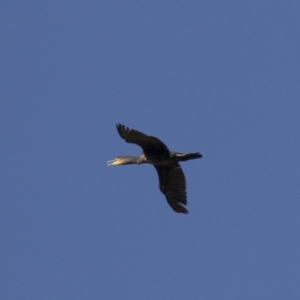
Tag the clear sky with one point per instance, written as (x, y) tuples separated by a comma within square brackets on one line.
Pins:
[(218, 77)]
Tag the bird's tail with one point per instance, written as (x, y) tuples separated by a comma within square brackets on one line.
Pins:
[(187, 156)]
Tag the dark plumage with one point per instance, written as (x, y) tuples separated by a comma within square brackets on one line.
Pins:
[(171, 177)]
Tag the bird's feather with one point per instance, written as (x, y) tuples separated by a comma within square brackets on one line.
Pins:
[(173, 185), (147, 143)]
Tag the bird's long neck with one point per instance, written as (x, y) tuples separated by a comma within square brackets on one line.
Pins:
[(126, 160)]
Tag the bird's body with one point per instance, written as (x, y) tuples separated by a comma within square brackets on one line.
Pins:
[(171, 177)]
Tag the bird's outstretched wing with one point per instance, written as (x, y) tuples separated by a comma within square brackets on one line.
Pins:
[(148, 143), (172, 185)]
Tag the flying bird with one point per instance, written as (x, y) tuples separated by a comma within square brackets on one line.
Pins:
[(171, 177)]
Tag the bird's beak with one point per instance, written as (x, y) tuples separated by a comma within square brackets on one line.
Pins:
[(113, 162)]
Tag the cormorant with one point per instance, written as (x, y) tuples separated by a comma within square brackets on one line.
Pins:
[(171, 177)]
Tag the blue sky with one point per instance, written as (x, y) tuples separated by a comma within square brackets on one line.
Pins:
[(218, 77)]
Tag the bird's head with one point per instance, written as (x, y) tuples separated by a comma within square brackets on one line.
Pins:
[(115, 162), (122, 160)]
